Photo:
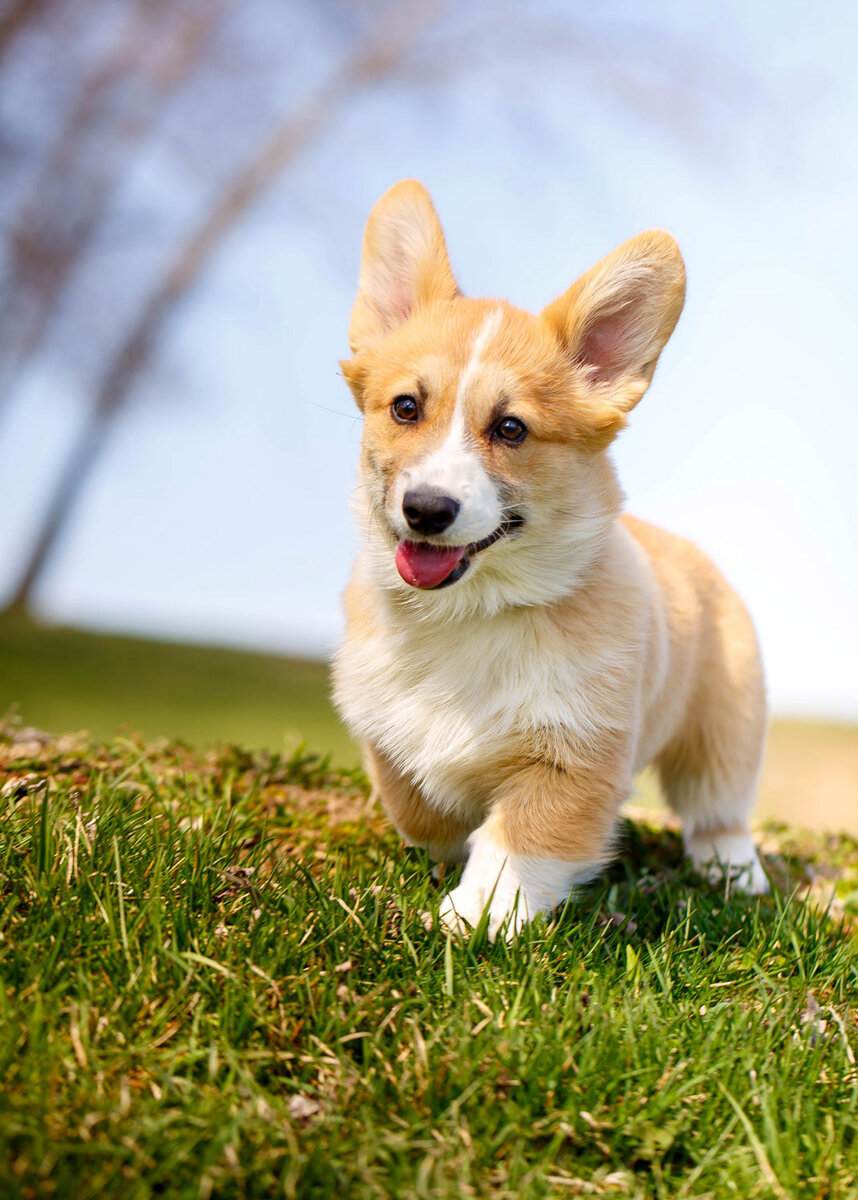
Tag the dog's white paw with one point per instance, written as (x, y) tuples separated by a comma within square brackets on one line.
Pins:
[(463, 908), (454, 921), (513, 888), (721, 857)]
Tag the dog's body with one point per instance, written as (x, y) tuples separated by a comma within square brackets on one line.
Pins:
[(515, 649)]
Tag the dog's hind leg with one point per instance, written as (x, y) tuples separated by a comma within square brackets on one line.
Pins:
[(709, 775)]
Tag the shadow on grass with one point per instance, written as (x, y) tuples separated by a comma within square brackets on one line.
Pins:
[(651, 894)]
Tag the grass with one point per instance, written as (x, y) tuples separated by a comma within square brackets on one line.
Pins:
[(217, 983), (64, 679)]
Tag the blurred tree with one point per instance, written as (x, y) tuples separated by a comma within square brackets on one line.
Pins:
[(117, 76), (15, 17), (114, 108)]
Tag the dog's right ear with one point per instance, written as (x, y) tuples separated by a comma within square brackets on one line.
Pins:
[(404, 264), (614, 322)]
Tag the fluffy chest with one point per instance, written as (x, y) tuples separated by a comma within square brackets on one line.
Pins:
[(449, 704)]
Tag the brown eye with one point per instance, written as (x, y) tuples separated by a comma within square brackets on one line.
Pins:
[(510, 430), (404, 409)]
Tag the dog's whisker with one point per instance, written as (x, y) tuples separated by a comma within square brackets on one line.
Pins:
[(350, 416)]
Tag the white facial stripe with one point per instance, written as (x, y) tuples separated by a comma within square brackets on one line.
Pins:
[(455, 467), (457, 434), (487, 331)]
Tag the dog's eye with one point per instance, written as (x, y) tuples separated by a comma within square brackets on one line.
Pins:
[(510, 430), (404, 409)]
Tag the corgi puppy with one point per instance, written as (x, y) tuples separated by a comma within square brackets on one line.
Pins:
[(516, 647)]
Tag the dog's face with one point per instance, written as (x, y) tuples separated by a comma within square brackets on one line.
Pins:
[(484, 471)]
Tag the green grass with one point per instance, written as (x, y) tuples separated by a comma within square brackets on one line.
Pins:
[(209, 989), (62, 679)]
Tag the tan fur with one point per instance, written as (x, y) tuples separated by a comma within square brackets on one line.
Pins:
[(521, 700), (715, 693)]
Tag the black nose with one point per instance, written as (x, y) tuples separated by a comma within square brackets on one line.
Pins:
[(429, 512)]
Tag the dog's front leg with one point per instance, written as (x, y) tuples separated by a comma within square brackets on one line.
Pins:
[(548, 829), (442, 835), (514, 887)]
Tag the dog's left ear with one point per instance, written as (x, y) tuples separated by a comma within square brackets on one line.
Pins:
[(404, 264), (614, 323)]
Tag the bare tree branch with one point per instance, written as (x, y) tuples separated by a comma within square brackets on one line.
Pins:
[(16, 18), (65, 206), (376, 56)]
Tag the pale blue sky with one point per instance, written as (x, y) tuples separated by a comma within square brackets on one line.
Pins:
[(221, 511)]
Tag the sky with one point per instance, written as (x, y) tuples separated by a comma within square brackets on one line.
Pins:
[(221, 512)]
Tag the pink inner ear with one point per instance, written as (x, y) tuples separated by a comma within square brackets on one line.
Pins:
[(394, 292), (607, 345), (398, 302)]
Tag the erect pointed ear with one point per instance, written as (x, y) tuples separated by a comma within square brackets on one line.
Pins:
[(404, 264), (615, 320)]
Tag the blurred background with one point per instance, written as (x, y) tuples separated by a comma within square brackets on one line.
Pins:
[(184, 189)]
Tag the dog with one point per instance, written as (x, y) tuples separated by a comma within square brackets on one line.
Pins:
[(516, 647)]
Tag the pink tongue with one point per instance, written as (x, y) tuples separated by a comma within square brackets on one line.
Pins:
[(426, 566)]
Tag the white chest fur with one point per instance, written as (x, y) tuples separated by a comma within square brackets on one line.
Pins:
[(446, 702)]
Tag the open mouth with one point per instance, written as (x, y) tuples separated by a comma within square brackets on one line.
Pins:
[(424, 565)]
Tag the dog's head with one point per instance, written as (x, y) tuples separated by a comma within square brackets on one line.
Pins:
[(484, 475)]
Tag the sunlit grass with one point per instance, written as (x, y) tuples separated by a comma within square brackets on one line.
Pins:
[(210, 989)]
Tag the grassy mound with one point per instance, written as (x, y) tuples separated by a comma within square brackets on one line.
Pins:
[(216, 982)]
